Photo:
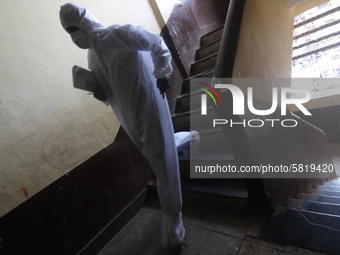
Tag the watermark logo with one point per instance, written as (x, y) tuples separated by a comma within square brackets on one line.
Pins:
[(204, 97), (238, 99), (254, 118)]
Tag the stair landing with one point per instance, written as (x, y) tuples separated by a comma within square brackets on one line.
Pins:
[(213, 224)]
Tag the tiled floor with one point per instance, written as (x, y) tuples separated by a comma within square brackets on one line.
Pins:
[(214, 225)]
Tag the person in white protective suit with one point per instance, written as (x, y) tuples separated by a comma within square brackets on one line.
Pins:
[(130, 63)]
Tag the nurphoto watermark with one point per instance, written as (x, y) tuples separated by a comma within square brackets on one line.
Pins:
[(254, 117)]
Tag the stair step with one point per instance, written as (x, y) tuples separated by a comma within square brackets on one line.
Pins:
[(334, 184), (184, 165), (212, 36), (191, 102), (203, 65), (310, 230), (321, 198), (313, 206), (208, 49), (212, 136), (215, 152), (183, 102), (222, 187), (336, 180), (325, 192), (329, 187), (213, 145), (186, 82), (181, 121)]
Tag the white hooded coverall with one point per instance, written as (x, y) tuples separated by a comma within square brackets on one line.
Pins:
[(133, 59)]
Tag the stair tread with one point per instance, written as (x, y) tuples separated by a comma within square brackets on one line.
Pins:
[(208, 49), (204, 59), (207, 38), (213, 31), (200, 74), (314, 206), (321, 198), (203, 64), (325, 192), (328, 187), (209, 44), (186, 82), (191, 101), (222, 187), (335, 184)]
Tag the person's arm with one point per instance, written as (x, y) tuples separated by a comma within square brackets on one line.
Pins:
[(159, 52), (141, 39)]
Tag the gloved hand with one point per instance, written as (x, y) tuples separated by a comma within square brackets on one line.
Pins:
[(162, 85), (99, 93)]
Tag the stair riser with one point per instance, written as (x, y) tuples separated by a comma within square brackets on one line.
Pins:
[(208, 50), (182, 122), (215, 153), (186, 83), (313, 206), (213, 138), (321, 198), (326, 193), (331, 188), (203, 65), (191, 102), (206, 39), (334, 184)]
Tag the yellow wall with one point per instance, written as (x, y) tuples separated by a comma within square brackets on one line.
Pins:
[(266, 36), (46, 126), (265, 45)]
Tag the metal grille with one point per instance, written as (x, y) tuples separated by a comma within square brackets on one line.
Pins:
[(316, 42)]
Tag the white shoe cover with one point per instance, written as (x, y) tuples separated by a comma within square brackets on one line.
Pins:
[(190, 153), (173, 231)]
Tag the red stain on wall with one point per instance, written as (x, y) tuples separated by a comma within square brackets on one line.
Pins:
[(24, 192)]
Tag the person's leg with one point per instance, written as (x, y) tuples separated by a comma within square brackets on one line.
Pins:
[(162, 156), (153, 128)]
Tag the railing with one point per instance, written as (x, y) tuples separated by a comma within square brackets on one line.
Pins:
[(228, 47), (235, 135)]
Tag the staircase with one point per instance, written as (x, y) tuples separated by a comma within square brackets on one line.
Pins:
[(203, 67), (311, 222), (307, 212)]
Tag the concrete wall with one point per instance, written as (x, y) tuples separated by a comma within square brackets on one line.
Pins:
[(47, 127)]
